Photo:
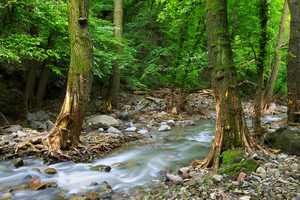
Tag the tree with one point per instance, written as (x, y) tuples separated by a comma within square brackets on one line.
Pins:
[(260, 69), (231, 128), (31, 74), (112, 94), (271, 83), (293, 72), (67, 128)]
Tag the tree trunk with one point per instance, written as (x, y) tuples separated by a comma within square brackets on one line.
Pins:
[(67, 128), (45, 72), (293, 64), (260, 71), (231, 128), (112, 94), (271, 82), (31, 75)]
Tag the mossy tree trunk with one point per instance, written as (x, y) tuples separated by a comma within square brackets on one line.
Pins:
[(112, 94), (272, 80), (231, 128), (293, 81), (45, 73), (260, 70), (28, 96), (68, 126)]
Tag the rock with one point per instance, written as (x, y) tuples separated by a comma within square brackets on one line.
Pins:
[(174, 111), (35, 124), (217, 178), (255, 156), (13, 129), (30, 117), (18, 162), (49, 124), (51, 184), (37, 184), (260, 170), (50, 171), (245, 184), (131, 129), (171, 122), (285, 139), (42, 127), (164, 128), (163, 113), (233, 162), (42, 115), (21, 134), (83, 197), (144, 133), (256, 178), (241, 176), (113, 130), (101, 168), (174, 177), (6, 196), (103, 121), (117, 165), (57, 197), (93, 195), (189, 122), (132, 125), (245, 198), (100, 129), (213, 196), (5, 189), (125, 114)]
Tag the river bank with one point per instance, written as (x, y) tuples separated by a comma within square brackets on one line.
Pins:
[(143, 122)]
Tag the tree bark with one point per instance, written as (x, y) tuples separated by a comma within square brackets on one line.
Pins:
[(28, 96), (293, 63), (260, 71), (272, 80), (111, 98), (45, 73), (67, 128), (231, 129)]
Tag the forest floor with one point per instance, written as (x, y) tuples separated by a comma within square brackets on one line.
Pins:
[(277, 177)]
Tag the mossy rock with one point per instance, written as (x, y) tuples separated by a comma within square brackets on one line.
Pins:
[(289, 142), (233, 162), (272, 137)]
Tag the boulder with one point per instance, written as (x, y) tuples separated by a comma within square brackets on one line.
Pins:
[(233, 162), (13, 129), (42, 115), (35, 124), (103, 121), (285, 139)]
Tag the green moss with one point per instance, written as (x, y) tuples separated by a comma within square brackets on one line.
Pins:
[(232, 163), (228, 156)]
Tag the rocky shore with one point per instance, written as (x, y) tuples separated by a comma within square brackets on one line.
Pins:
[(275, 175)]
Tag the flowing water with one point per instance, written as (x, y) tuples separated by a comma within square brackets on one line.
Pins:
[(141, 163)]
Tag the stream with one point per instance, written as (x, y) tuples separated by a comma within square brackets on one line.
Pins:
[(142, 162)]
